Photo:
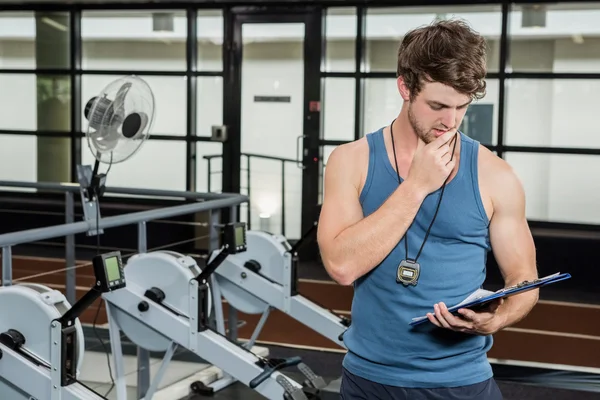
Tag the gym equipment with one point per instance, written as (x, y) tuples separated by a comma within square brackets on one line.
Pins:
[(41, 340), (116, 131), (265, 277), (167, 304), (42, 343)]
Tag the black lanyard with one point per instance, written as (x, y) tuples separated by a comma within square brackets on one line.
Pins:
[(409, 270)]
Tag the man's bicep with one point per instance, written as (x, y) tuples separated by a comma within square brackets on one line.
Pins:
[(341, 206), (511, 239)]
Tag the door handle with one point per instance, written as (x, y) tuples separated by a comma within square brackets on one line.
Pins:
[(299, 157)]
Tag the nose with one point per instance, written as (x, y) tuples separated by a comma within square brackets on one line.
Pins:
[(449, 118)]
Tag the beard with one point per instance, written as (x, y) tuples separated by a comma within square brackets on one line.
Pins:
[(426, 135)]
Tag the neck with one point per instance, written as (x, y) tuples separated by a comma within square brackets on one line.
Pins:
[(405, 138)]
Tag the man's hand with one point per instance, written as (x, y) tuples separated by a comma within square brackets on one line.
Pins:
[(486, 321), (432, 163)]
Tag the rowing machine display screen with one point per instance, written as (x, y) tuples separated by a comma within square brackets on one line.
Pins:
[(112, 269), (240, 236), (235, 237), (108, 269)]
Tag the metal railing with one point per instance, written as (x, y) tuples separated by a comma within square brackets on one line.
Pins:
[(248, 171), (211, 202)]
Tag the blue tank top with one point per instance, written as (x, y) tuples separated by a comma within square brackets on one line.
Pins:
[(382, 346)]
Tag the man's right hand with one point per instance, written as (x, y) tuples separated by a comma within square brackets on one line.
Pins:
[(431, 163)]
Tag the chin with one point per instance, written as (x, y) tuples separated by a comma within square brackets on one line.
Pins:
[(428, 138)]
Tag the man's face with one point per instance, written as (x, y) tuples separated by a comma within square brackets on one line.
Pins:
[(435, 110)]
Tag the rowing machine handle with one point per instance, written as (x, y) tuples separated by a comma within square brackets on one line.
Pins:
[(213, 265), (274, 365)]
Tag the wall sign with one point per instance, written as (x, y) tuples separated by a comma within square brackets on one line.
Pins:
[(272, 99)]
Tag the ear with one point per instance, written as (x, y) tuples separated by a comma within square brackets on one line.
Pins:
[(404, 92)]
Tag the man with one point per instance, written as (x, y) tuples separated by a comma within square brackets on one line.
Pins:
[(409, 214)]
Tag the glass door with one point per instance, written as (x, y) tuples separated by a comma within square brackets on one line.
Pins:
[(277, 94)]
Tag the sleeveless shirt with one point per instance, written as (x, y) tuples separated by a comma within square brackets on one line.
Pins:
[(382, 346)]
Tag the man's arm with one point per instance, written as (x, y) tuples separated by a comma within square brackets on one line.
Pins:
[(512, 244), (351, 245), (513, 249)]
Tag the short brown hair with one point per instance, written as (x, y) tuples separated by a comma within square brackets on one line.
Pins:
[(446, 51)]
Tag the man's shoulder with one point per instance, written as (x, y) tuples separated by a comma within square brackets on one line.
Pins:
[(349, 162), (348, 154), (497, 176), (492, 167)]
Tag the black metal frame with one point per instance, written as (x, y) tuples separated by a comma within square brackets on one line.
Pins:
[(502, 76), (231, 79), (311, 18), (75, 71)]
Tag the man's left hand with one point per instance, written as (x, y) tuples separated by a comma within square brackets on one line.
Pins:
[(486, 321)]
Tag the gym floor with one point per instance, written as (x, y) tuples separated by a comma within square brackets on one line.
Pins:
[(326, 364)]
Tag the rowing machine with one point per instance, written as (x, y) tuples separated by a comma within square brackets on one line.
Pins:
[(167, 304), (265, 277), (42, 343)]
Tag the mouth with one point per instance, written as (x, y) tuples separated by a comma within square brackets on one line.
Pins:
[(439, 132)]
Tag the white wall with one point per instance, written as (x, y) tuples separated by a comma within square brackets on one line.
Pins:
[(539, 112)]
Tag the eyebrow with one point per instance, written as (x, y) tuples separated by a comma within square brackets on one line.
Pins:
[(437, 103)]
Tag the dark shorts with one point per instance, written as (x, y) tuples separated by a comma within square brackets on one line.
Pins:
[(357, 388)]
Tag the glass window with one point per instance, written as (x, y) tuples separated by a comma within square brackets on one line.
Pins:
[(30, 40), (31, 102), (558, 187), (19, 102), (210, 40), (18, 33), (383, 103), (159, 164), (481, 119), (170, 104), (18, 158), (268, 204), (340, 33), (558, 37), (202, 167), (552, 113), (134, 40), (209, 104), (53, 98), (385, 28), (338, 108)]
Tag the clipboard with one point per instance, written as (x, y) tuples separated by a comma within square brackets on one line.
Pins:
[(481, 297)]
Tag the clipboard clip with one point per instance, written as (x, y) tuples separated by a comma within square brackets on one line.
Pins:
[(526, 283), (518, 286)]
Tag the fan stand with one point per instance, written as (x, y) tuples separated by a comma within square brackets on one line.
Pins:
[(91, 188)]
